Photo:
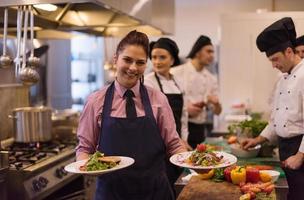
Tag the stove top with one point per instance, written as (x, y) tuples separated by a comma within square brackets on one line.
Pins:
[(24, 155)]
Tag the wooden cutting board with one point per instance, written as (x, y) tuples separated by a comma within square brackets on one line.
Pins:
[(198, 189)]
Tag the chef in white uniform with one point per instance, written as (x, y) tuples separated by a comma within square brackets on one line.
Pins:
[(300, 46), (201, 88), (286, 124)]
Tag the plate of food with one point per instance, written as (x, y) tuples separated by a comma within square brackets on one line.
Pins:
[(203, 158), (98, 164)]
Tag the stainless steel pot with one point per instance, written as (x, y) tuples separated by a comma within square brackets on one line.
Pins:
[(32, 124)]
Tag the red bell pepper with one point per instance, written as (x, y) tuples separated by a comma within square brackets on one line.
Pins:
[(252, 175)]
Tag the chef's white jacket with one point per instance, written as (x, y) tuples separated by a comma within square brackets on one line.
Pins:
[(286, 118), (198, 85)]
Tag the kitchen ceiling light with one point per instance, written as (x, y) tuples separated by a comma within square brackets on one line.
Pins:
[(46, 7)]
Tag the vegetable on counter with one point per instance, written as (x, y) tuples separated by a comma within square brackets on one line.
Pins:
[(265, 177), (227, 173), (218, 175), (207, 175), (238, 175), (255, 126), (252, 175), (262, 167), (256, 191)]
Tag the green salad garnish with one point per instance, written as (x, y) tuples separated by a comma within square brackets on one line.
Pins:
[(95, 164)]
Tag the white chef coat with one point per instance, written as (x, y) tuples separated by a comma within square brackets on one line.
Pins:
[(198, 85), (286, 118), (169, 87)]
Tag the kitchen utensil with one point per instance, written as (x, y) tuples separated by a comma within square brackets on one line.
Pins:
[(32, 60), (28, 75), (5, 60), (17, 60), (32, 124)]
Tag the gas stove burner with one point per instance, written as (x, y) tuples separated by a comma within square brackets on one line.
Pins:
[(22, 155)]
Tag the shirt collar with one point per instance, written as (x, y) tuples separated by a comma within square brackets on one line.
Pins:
[(121, 89), (192, 68), (161, 77), (295, 69)]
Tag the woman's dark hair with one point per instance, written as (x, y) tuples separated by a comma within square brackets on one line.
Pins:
[(169, 45), (134, 38)]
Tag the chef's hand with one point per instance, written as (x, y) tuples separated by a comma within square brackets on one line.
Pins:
[(186, 144), (294, 162), (247, 143), (252, 142), (213, 99), (194, 109)]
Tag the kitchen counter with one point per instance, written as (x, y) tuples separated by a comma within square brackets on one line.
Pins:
[(281, 186)]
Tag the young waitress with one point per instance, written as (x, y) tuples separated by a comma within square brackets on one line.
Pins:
[(128, 119)]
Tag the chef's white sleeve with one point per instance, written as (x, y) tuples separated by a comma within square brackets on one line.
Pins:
[(269, 133)]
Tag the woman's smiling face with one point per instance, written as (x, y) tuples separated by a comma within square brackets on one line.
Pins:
[(130, 63)]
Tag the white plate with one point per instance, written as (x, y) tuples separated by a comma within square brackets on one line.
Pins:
[(179, 160), (74, 167)]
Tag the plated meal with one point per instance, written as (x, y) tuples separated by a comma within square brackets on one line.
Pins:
[(98, 161), (98, 164), (203, 158)]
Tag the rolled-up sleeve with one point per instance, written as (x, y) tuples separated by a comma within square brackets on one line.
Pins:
[(167, 127), (88, 129)]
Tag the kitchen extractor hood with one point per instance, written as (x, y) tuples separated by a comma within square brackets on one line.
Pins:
[(97, 17)]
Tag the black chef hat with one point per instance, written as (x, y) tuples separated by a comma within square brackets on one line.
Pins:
[(169, 45), (277, 37), (300, 41), (198, 45)]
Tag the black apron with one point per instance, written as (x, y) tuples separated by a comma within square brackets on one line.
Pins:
[(176, 102), (295, 178), (140, 139), (196, 134)]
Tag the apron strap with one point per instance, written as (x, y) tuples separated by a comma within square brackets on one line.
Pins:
[(161, 86), (146, 101), (107, 105)]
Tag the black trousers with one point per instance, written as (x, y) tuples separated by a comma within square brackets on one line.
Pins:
[(295, 178), (198, 133)]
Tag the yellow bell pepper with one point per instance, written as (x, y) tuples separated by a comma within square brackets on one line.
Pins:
[(238, 175), (265, 177), (207, 175)]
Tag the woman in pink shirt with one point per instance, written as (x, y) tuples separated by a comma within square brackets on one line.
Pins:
[(128, 119)]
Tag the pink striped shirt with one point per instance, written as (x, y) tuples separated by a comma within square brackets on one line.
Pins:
[(89, 124)]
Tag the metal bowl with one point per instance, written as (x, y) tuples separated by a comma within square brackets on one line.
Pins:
[(241, 153)]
